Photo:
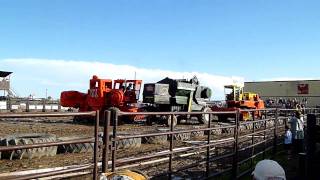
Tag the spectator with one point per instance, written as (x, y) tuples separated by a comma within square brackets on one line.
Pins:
[(297, 131), (288, 141), (268, 170), (129, 87)]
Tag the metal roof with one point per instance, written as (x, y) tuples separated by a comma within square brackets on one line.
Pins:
[(4, 74)]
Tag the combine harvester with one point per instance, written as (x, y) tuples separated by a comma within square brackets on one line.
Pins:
[(176, 95)]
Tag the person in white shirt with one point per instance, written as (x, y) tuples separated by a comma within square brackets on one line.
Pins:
[(297, 126), (288, 141)]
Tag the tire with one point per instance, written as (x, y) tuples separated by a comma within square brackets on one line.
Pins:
[(204, 118), (23, 139), (228, 130), (198, 133), (206, 93), (162, 139), (150, 120), (215, 132), (155, 139), (222, 118), (74, 148), (182, 136), (131, 143), (177, 137), (83, 120)]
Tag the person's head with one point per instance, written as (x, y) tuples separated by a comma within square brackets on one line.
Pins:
[(287, 127), (268, 169)]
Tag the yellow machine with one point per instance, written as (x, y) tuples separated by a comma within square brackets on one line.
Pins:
[(124, 174), (237, 99), (237, 94)]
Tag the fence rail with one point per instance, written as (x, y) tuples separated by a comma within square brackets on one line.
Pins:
[(30, 105)]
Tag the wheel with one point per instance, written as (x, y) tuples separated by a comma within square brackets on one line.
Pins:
[(182, 136), (150, 119), (131, 143), (74, 148), (83, 120), (222, 118), (205, 118), (23, 139), (162, 139), (197, 133), (214, 131)]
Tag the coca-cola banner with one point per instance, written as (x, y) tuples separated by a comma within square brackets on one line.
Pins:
[(303, 88)]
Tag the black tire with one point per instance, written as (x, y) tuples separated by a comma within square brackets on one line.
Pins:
[(226, 130), (197, 133), (182, 136), (205, 118), (83, 120), (74, 148), (222, 118), (206, 93), (150, 120), (23, 139), (130, 143), (162, 139), (155, 139), (215, 132)]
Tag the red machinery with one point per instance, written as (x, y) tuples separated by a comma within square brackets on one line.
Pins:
[(104, 94)]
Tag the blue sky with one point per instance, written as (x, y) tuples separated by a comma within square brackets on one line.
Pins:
[(256, 39)]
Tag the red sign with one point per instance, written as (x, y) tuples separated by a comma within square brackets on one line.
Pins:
[(303, 88)]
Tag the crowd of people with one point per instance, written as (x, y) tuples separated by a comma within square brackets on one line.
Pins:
[(286, 103)]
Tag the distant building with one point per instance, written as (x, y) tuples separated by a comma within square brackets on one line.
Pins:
[(302, 91), (5, 84)]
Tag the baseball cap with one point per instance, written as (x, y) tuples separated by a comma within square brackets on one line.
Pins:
[(268, 170)]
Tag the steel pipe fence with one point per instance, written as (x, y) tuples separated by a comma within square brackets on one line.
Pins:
[(49, 144), (238, 141), (269, 135)]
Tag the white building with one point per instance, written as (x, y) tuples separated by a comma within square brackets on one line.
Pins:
[(299, 90)]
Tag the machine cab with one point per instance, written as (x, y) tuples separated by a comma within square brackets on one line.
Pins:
[(98, 87), (233, 92), (130, 88)]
